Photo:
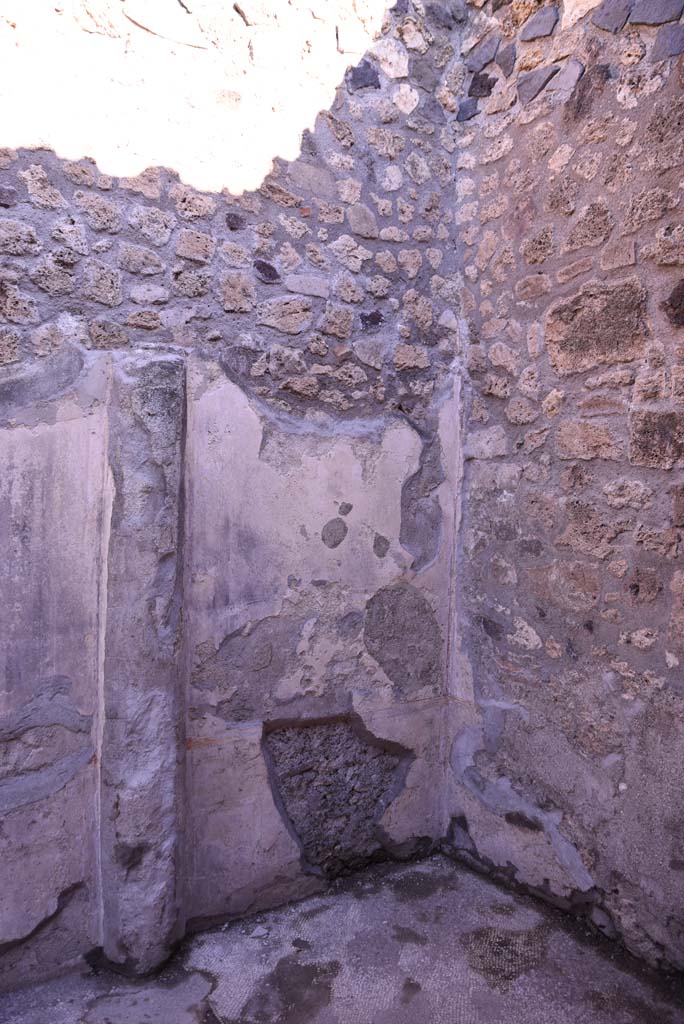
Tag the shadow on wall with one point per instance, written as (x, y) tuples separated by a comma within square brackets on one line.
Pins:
[(214, 90)]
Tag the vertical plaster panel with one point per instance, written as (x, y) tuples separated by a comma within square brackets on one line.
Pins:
[(51, 477)]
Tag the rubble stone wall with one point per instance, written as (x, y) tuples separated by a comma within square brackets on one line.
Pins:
[(254, 556), (570, 208)]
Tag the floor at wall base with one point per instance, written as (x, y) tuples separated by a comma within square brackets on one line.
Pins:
[(426, 943)]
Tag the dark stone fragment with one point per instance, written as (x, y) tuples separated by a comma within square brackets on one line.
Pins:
[(446, 15), (424, 73), (540, 24), (334, 532), (481, 84), (235, 221), (350, 624), (674, 307), (656, 12), (505, 58), (491, 628), (482, 54), (421, 512), (467, 109), (678, 506), (531, 84), (521, 820), (345, 508), (496, 4), (266, 272), (380, 545), (363, 76), (669, 43), (432, 112), (129, 857), (612, 15), (371, 321), (8, 196), (587, 90)]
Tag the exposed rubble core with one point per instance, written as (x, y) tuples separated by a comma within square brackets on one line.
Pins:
[(342, 516), (334, 786)]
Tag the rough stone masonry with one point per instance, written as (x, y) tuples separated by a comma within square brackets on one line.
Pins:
[(343, 518)]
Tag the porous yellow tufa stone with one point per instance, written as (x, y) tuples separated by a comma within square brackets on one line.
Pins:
[(410, 357)]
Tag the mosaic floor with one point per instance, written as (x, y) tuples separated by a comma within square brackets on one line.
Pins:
[(426, 943)]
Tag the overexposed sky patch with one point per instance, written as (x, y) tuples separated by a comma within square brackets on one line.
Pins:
[(213, 90)]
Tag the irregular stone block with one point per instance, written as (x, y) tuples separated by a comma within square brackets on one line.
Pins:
[(312, 178), (669, 43), (290, 315), (9, 345), (17, 307), (590, 531), (593, 227), (195, 245), (482, 54), (655, 12), (237, 292), (102, 283), (568, 77), (481, 85), (505, 58), (467, 109), (487, 444), (192, 205), (656, 438), (586, 439), (601, 324), (362, 221), (392, 57), (532, 83), (528, 289), (621, 253), (8, 196), (155, 225), (101, 213), (409, 358), (136, 259), (42, 192), (612, 15), (674, 306), (266, 272), (18, 238), (540, 24), (308, 284)]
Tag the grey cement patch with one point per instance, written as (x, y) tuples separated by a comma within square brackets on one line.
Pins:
[(402, 634)]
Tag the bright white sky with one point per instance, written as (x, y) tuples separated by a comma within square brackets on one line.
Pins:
[(140, 83)]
